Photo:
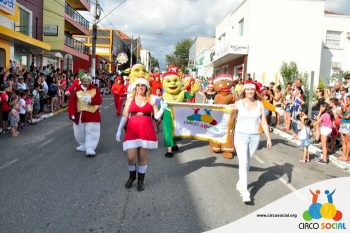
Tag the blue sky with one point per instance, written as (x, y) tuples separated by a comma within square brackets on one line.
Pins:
[(161, 23)]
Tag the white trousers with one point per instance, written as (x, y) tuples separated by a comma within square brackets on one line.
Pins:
[(246, 145), (87, 134)]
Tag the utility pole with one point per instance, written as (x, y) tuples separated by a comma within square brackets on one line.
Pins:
[(131, 49), (93, 43)]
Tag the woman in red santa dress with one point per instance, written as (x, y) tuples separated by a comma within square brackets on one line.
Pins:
[(139, 134), (83, 111)]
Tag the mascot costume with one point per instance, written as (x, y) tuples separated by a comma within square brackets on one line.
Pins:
[(83, 111), (222, 85), (173, 92), (136, 71)]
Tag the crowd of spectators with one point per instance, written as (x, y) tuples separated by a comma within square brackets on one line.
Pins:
[(330, 115), (27, 94)]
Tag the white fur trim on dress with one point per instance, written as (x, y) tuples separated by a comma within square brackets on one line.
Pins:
[(130, 144)]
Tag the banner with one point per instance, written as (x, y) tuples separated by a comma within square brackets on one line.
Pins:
[(201, 121)]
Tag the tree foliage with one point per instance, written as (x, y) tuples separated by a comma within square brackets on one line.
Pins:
[(154, 63), (180, 56)]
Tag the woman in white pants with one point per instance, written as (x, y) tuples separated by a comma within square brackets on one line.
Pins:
[(246, 138)]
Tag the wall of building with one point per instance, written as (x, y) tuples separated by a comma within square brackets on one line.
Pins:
[(54, 15), (339, 55), (294, 33), (37, 17)]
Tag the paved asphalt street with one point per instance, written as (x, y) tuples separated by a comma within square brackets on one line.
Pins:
[(47, 186)]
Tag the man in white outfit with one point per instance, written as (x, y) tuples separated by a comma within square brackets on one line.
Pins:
[(83, 111)]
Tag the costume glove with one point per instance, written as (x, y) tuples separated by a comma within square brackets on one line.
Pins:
[(122, 123)]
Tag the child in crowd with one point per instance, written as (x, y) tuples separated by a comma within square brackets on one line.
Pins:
[(325, 120), (344, 129), (14, 119), (22, 109), (304, 137), (36, 101), (156, 100), (29, 109)]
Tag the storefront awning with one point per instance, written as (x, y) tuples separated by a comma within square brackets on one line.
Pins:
[(226, 58), (19, 38)]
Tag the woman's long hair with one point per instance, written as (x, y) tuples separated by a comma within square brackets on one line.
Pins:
[(327, 109), (148, 94), (256, 95)]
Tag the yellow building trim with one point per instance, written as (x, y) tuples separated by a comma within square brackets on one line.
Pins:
[(21, 37), (14, 17), (5, 45)]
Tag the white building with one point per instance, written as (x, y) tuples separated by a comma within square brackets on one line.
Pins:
[(200, 56), (258, 35), (145, 56), (335, 46)]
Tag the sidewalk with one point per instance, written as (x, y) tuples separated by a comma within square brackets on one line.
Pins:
[(314, 149)]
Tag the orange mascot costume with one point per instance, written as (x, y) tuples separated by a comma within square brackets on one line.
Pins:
[(223, 84)]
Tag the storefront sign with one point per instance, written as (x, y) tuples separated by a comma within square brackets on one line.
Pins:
[(50, 30), (122, 58), (239, 49), (8, 6)]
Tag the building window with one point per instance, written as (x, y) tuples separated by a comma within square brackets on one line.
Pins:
[(24, 26), (241, 27), (82, 39), (238, 71), (101, 50), (333, 39), (225, 69)]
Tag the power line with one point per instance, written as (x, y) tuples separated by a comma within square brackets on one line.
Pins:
[(113, 9)]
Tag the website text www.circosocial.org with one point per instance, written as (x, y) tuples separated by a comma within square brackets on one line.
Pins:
[(277, 215)]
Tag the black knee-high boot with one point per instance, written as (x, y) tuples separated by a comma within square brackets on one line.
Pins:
[(131, 179), (141, 178)]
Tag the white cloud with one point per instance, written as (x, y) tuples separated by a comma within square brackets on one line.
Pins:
[(162, 23)]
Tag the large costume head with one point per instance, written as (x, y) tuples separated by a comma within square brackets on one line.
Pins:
[(172, 83), (86, 80), (223, 83), (175, 69), (137, 70)]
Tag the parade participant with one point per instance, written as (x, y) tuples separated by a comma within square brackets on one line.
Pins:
[(191, 87), (83, 111), (118, 90), (210, 94), (155, 83), (139, 135), (250, 113), (172, 93), (223, 84)]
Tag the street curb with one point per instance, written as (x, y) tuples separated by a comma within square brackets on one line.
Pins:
[(45, 116), (313, 149)]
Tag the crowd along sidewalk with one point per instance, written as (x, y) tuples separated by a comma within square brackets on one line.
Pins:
[(333, 158)]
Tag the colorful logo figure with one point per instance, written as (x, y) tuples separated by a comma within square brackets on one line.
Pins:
[(326, 211), (207, 118)]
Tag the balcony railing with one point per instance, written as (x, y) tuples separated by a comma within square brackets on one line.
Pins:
[(75, 44), (76, 16)]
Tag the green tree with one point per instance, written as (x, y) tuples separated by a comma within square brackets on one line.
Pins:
[(154, 63), (180, 56), (289, 72)]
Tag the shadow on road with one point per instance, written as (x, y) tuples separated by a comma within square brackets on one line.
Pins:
[(270, 174)]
